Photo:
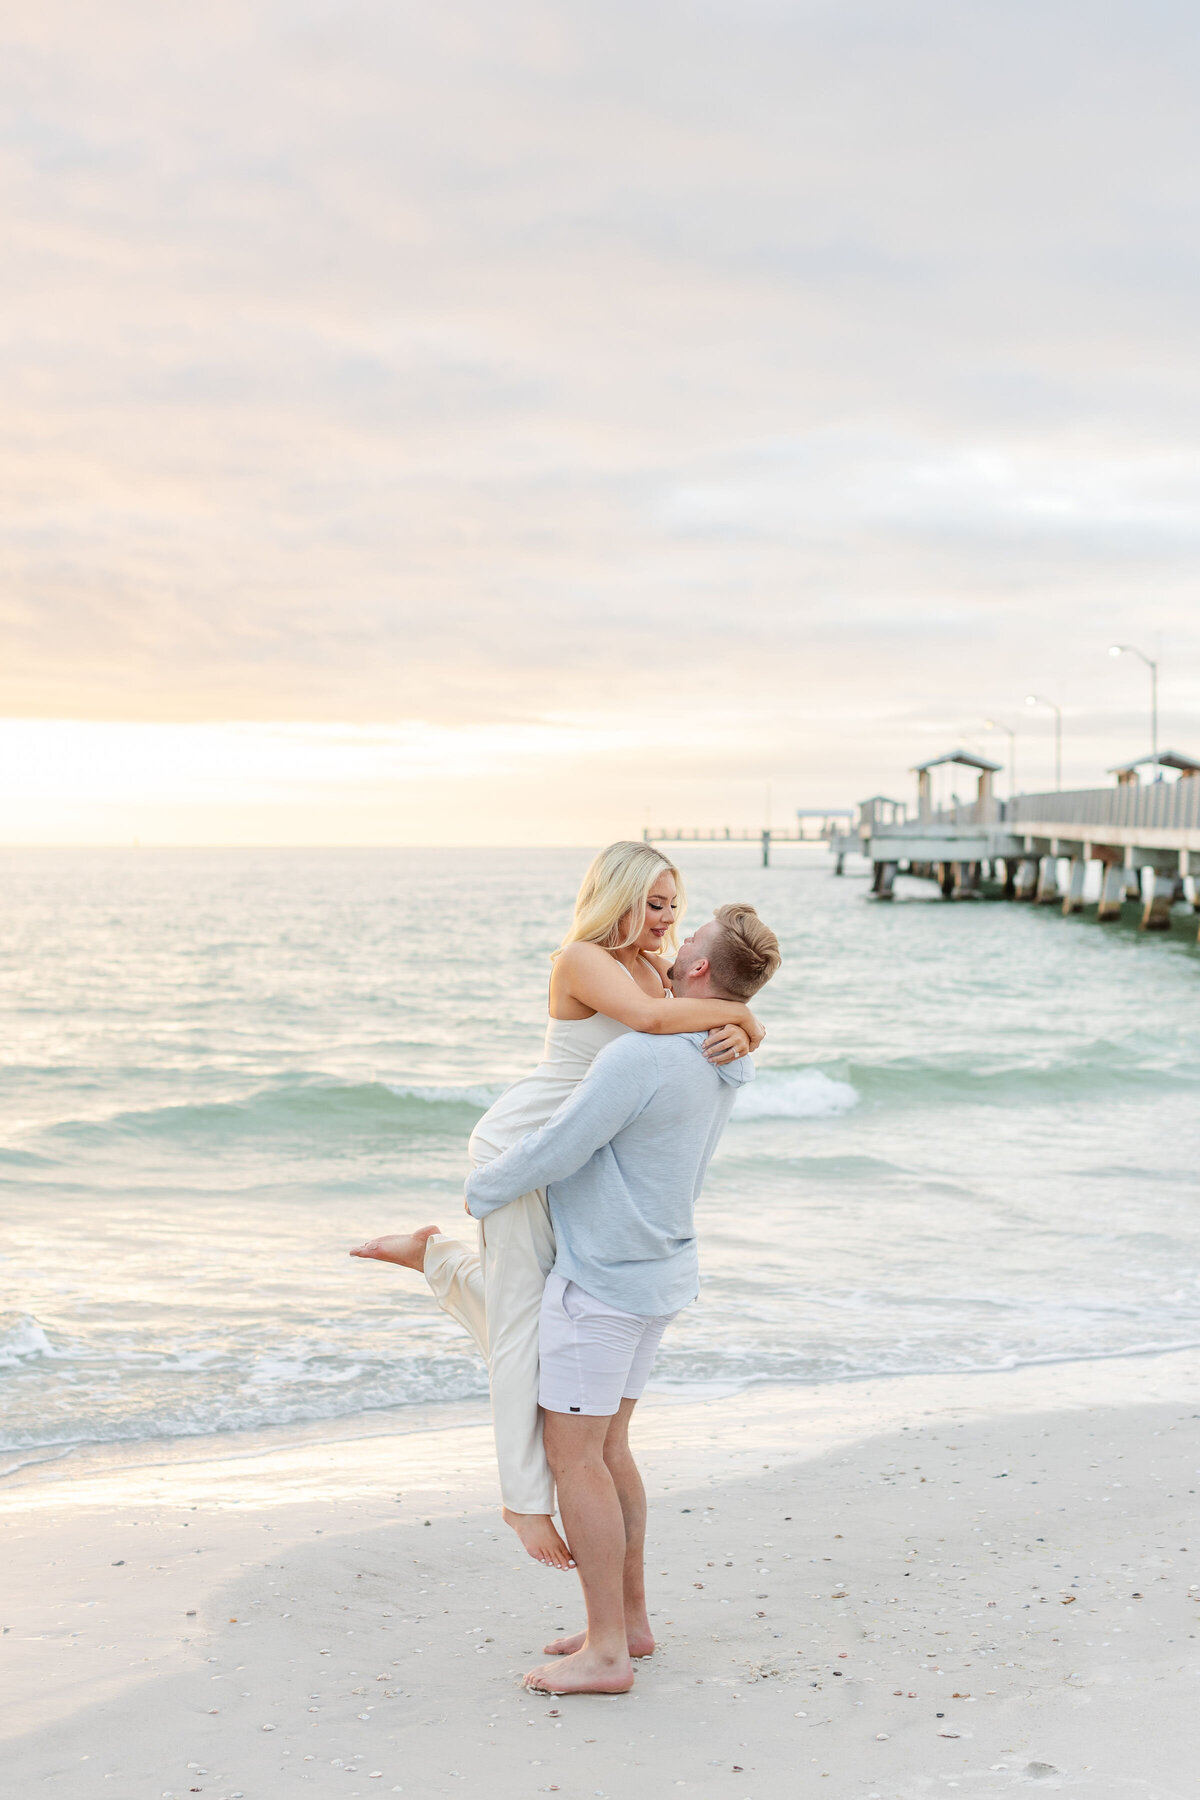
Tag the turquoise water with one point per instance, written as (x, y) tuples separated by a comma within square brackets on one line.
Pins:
[(973, 1141)]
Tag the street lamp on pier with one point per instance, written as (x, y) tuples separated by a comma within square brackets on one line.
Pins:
[(1132, 650), (1040, 700)]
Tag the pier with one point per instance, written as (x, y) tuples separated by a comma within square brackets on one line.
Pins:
[(1145, 836), (814, 825)]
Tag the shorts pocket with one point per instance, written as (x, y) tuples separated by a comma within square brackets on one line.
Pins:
[(574, 1302)]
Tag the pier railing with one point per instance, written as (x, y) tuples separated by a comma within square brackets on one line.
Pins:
[(965, 812), (1154, 806)]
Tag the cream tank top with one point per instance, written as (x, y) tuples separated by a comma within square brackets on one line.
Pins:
[(571, 1047)]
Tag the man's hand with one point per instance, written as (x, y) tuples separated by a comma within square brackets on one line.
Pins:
[(726, 1043)]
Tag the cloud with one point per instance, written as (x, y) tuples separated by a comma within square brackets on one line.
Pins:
[(462, 365)]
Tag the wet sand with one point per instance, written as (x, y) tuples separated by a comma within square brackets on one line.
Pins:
[(887, 1589)]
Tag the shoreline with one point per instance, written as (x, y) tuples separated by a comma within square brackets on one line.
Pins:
[(897, 1584), (425, 1417)]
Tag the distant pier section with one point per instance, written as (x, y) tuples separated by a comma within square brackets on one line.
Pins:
[(1143, 835), (814, 825)]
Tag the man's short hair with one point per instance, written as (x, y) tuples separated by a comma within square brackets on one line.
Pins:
[(746, 954)]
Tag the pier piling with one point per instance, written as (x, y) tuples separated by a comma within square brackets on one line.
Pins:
[(1073, 898), (1025, 885), (1112, 892), (1160, 893), (1047, 885)]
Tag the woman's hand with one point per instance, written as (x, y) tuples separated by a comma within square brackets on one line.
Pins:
[(756, 1031), (726, 1043)]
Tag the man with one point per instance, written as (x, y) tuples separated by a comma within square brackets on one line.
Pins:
[(623, 1161)]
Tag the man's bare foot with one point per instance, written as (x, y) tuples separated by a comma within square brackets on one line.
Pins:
[(639, 1638), (539, 1536), (406, 1248), (587, 1672)]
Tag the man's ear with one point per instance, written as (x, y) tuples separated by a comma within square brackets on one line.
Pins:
[(699, 970)]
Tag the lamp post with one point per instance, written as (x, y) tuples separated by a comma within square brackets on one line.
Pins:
[(1132, 650), (999, 725), (1040, 700)]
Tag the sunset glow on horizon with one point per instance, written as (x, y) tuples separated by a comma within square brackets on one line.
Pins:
[(436, 426)]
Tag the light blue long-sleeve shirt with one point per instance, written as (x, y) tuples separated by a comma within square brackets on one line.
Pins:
[(623, 1161)]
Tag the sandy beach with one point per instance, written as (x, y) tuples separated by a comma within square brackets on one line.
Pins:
[(881, 1589)]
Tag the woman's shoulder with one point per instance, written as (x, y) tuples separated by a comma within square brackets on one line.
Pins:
[(576, 965), (579, 954)]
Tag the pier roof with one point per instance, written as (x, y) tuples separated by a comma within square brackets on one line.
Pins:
[(968, 757), (1166, 759)]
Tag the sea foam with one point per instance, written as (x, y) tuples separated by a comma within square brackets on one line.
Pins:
[(794, 1094), (23, 1342), (446, 1096)]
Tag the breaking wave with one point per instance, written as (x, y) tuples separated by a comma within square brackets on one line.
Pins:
[(309, 1109), (794, 1094), (23, 1342)]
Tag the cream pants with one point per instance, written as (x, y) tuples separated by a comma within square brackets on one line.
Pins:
[(495, 1294)]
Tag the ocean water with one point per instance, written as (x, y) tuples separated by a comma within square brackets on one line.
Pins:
[(973, 1142)]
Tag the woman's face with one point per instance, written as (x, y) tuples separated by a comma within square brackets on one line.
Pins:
[(660, 913)]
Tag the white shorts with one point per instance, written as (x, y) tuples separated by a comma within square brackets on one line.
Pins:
[(592, 1356)]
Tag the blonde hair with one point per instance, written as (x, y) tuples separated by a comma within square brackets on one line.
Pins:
[(746, 955), (617, 886)]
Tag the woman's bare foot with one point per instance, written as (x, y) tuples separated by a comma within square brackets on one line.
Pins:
[(406, 1248), (639, 1638), (586, 1672), (536, 1531)]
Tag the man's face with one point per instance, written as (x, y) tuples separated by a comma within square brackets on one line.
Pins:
[(693, 951)]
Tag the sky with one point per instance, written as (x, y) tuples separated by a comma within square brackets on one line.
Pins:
[(461, 424)]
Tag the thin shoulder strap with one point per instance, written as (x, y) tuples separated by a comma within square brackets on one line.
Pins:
[(649, 965), (654, 972)]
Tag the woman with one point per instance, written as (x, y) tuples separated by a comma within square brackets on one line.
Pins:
[(609, 976)]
